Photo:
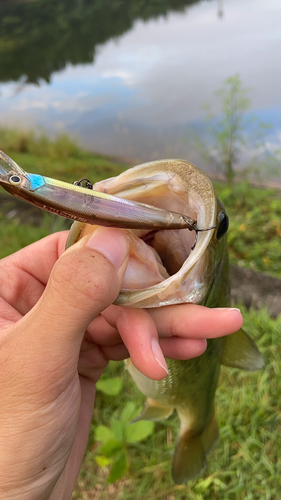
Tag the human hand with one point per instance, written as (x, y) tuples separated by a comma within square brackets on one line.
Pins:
[(57, 334)]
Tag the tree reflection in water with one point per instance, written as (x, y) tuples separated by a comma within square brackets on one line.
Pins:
[(39, 37)]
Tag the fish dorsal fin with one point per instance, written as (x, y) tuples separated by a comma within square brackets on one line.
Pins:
[(153, 411), (192, 449), (241, 352)]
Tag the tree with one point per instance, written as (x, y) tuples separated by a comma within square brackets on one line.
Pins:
[(235, 133)]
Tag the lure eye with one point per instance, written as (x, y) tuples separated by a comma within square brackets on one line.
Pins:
[(222, 225), (15, 180)]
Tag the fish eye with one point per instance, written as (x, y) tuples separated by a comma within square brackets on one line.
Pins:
[(223, 223), (15, 180)]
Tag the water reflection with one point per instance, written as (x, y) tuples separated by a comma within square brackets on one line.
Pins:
[(146, 89), (40, 37)]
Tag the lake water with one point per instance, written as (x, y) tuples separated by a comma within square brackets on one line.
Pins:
[(136, 95)]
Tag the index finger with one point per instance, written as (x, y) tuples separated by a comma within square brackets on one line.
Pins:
[(24, 274), (193, 321)]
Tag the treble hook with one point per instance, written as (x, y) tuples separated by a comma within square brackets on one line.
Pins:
[(193, 227), (89, 185)]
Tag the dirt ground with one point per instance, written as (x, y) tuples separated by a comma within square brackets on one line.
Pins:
[(255, 289)]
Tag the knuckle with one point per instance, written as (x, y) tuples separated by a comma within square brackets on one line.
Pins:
[(75, 277)]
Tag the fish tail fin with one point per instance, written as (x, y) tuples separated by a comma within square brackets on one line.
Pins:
[(210, 434), (191, 451)]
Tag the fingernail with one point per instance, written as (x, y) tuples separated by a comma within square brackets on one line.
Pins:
[(158, 355), (112, 243), (226, 309)]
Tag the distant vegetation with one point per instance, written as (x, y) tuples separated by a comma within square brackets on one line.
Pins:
[(40, 37), (61, 157), (234, 140)]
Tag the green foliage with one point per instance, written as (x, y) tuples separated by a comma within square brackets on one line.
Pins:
[(138, 431), (38, 144), (61, 158), (113, 451), (16, 234), (110, 386), (227, 137), (228, 133), (255, 226)]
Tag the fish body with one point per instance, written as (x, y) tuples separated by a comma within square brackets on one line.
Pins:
[(167, 266), (198, 276)]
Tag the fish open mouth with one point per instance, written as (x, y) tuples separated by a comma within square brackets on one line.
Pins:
[(163, 268), (160, 253), (156, 255)]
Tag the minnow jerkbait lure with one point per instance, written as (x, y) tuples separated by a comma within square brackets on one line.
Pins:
[(85, 205)]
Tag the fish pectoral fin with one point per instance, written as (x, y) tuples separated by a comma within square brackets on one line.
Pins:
[(191, 451), (241, 352), (153, 411)]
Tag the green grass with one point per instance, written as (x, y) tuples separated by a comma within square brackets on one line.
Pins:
[(61, 158), (254, 236), (245, 463)]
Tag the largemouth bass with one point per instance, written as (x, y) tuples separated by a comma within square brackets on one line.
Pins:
[(168, 265), (164, 270)]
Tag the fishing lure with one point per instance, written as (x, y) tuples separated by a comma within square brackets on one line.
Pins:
[(83, 204)]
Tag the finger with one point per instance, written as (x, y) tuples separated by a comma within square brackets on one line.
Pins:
[(85, 280), (39, 258), (179, 348), (24, 274), (103, 334), (192, 321), (119, 352), (93, 359), (138, 332), (8, 315)]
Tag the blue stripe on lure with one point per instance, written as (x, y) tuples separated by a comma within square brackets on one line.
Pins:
[(86, 205), (36, 181)]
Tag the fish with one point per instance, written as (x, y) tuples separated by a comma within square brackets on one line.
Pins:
[(167, 265), (174, 267)]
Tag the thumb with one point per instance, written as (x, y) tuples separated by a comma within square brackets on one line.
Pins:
[(85, 280)]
